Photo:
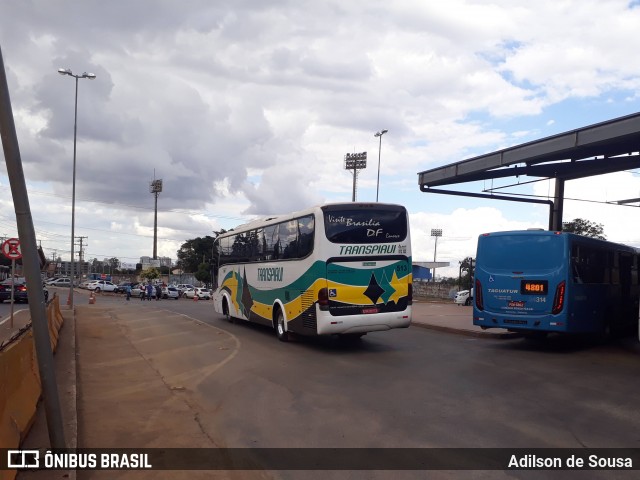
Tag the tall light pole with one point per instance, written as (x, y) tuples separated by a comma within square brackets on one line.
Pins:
[(155, 187), (379, 134), (435, 232), (90, 76)]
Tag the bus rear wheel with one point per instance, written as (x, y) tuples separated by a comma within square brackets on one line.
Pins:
[(535, 336), (225, 311), (281, 329), (350, 338)]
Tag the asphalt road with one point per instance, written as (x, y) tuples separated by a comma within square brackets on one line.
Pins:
[(405, 388)]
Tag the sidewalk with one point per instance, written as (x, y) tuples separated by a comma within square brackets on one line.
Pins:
[(447, 317)]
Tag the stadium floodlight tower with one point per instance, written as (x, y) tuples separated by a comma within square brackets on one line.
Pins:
[(435, 232), (155, 187), (355, 162)]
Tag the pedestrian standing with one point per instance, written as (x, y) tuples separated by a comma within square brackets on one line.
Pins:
[(149, 291), (128, 290), (158, 292)]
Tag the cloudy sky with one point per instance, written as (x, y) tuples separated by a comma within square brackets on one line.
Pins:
[(246, 108)]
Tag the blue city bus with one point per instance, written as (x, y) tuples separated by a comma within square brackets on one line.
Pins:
[(537, 282)]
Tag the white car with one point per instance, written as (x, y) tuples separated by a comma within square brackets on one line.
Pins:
[(183, 287), (60, 282), (188, 292), (463, 297), (170, 292), (203, 293), (102, 286)]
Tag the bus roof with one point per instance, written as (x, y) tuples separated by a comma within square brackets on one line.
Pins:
[(540, 232)]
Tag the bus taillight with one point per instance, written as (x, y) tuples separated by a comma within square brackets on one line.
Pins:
[(478, 295), (558, 300), (323, 299)]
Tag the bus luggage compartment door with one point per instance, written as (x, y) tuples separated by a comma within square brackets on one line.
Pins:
[(365, 286)]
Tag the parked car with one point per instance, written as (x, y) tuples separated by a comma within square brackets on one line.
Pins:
[(5, 291), (203, 293), (21, 293), (85, 284), (122, 286), (102, 286), (170, 292), (136, 289), (463, 297), (183, 287), (60, 282), (189, 292)]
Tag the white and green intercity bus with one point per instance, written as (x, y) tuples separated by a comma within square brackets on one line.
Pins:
[(336, 269)]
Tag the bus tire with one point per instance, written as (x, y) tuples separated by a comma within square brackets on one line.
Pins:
[(281, 328), (350, 338), (226, 311), (611, 331), (535, 336)]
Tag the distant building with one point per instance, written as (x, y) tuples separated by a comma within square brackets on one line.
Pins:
[(80, 269), (422, 271), (148, 262)]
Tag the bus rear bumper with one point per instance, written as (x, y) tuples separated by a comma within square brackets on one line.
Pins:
[(349, 324), (516, 323)]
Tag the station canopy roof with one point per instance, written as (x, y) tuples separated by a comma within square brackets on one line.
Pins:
[(593, 150)]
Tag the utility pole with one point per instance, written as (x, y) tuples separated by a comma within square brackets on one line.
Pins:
[(55, 262), (81, 254)]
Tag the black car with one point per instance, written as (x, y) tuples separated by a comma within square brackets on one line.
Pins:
[(122, 286), (5, 292), (20, 292)]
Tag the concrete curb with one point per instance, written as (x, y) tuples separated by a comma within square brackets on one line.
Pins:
[(71, 394)]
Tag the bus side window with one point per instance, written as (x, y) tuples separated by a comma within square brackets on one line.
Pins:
[(255, 245), (271, 251), (289, 239), (575, 264), (305, 236)]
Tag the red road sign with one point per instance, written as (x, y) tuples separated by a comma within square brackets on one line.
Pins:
[(11, 249)]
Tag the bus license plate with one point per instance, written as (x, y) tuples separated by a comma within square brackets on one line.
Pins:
[(369, 310)]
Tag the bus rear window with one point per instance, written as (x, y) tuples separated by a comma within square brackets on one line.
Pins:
[(367, 224), (521, 252)]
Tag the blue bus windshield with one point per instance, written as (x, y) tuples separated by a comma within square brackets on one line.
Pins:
[(521, 252)]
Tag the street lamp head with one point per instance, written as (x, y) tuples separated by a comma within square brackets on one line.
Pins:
[(380, 133), (65, 71), (90, 76)]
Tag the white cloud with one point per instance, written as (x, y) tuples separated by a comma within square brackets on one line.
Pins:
[(460, 230), (245, 108)]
